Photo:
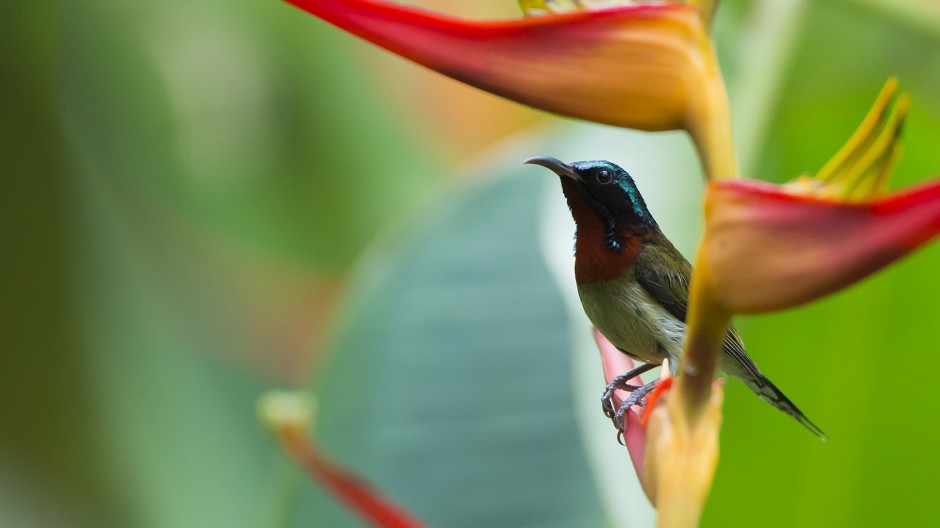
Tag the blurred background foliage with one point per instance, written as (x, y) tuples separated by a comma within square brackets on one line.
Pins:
[(209, 199)]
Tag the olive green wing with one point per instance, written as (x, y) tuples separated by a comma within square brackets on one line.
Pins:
[(665, 275)]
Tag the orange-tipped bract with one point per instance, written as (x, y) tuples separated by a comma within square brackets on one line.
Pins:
[(643, 66)]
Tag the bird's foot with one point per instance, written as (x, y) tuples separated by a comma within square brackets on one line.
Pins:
[(621, 383), (636, 398), (618, 383)]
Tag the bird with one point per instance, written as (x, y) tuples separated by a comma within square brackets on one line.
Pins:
[(634, 284)]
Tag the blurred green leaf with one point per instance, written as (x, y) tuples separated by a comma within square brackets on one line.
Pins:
[(177, 443), (47, 477), (201, 201), (242, 118), (450, 387)]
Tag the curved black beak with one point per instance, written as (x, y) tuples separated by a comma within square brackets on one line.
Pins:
[(557, 166)]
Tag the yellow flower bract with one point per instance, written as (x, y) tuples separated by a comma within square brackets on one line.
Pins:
[(859, 171)]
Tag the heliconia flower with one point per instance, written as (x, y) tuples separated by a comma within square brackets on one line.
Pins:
[(643, 66), (289, 416), (541, 7), (682, 453), (634, 430), (769, 247), (674, 457)]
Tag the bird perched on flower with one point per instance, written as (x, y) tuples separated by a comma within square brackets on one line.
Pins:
[(634, 284)]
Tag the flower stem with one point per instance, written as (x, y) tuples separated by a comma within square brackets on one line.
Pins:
[(686, 458), (707, 323), (710, 126)]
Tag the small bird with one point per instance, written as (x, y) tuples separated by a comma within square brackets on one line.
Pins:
[(634, 284)]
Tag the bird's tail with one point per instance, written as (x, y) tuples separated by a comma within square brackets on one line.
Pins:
[(772, 395)]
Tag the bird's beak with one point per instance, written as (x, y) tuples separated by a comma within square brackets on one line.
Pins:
[(557, 166)]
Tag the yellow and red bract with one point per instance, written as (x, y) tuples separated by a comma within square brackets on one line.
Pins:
[(642, 66), (769, 249)]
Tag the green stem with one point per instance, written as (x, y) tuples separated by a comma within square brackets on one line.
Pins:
[(707, 325)]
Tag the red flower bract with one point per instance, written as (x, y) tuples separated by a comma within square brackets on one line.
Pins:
[(769, 249), (289, 415), (632, 66), (634, 430)]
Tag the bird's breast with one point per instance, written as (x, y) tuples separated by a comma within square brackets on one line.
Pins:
[(596, 262), (634, 322)]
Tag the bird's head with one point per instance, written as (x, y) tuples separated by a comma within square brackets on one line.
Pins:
[(605, 188)]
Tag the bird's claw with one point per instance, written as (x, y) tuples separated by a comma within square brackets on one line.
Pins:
[(636, 398), (621, 383), (617, 384)]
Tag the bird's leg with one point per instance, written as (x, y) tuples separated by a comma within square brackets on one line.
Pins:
[(635, 398), (620, 383)]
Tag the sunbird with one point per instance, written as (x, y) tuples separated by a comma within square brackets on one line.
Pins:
[(634, 284)]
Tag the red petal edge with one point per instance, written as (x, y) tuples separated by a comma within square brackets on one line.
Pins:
[(386, 24), (760, 236), (529, 60), (360, 497), (658, 391), (634, 436)]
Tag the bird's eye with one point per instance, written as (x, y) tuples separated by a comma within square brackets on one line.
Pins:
[(604, 177)]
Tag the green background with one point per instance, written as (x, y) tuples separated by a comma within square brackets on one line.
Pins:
[(189, 185)]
